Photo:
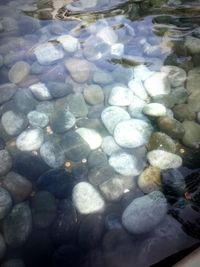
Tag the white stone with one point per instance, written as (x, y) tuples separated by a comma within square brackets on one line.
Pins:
[(164, 160), (91, 137), (120, 96), (176, 75), (108, 35), (125, 164), (47, 53), (87, 199), (132, 133), (157, 84), (69, 43), (136, 107), (111, 116), (155, 109), (109, 146), (30, 139), (40, 91), (117, 49), (138, 89), (141, 72)]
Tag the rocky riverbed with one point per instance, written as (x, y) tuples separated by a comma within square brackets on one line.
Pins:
[(99, 137)]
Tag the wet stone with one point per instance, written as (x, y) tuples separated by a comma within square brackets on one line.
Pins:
[(180, 95), (111, 116), (82, 74), (47, 54), (120, 96), (59, 89), (132, 133), (167, 100), (5, 202), (87, 199), (191, 137), (64, 227), (24, 100), (102, 77), (150, 180), (77, 105), (52, 154), (176, 75), (138, 89), (69, 43), (145, 213), (99, 174), (192, 44), (97, 159), (54, 73), (194, 101), (17, 225), (5, 162), (184, 112), (171, 127), (108, 35), (109, 146), (74, 147), (91, 137), (154, 110), (125, 164), (18, 186), (90, 231), (30, 139), (40, 91), (94, 112), (93, 94), (161, 141), (164, 160), (18, 72), (2, 247), (13, 263), (193, 80), (13, 123), (43, 208), (46, 107), (38, 119), (7, 90)]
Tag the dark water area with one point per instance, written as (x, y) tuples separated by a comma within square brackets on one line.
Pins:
[(99, 132)]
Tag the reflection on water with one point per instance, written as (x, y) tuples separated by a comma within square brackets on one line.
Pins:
[(99, 133)]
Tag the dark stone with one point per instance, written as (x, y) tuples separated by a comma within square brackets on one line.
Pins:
[(17, 225), (91, 231), (54, 73), (58, 89), (75, 148), (57, 181), (98, 175), (13, 263), (69, 256), (7, 90), (113, 221), (97, 159), (80, 172), (24, 100), (192, 182), (27, 25), (2, 144), (64, 228), (95, 258), (43, 208), (29, 165)]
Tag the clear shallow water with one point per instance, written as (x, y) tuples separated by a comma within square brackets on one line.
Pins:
[(84, 156)]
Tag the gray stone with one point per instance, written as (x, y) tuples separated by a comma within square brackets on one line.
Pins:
[(157, 84), (154, 110), (30, 139), (132, 133), (161, 141), (184, 112), (52, 154), (145, 213), (40, 91), (164, 160), (46, 107), (5, 162), (93, 94), (111, 116), (2, 247), (87, 199), (7, 90), (91, 137), (77, 105), (19, 72), (1, 60), (102, 77), (69, 43), (59, 89), (136, 107), (5, 202), (191, 137), (120, 96), (108, 35), (138, 89), (13, 123), (109, 146), (150, 180), (179, 95), (125, 164), (43, 208), (18, 186), (194, 100), (47, 53), (24, 100), (97, 159), (193, 80), (171, 127), (176, 75), (99, 174), (38, 119), (192, 44), (17, 225), (81, 74)]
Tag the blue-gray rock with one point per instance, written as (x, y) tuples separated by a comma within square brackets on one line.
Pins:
[(43, 208), (38, 119), (97, 159), (17, 225), (18, 186), (5, 162), (5, 202), (24, 100), (58, 89), (40, 91), (77, 105), (145, 213), (13, 122), (100, 174), (93, 94), (52, 154), (30, 139), (7, 90), (109, 146), (2, 247), (18, 72)]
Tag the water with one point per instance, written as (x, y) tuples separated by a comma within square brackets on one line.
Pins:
[(99, 133)]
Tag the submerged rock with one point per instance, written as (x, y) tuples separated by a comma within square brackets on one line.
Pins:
[(161, 141), (171, 127), (19, 72), (120, 96), (30, 139), (191, 137), (145, 213), (38, 119), (5, 162), (81, 74), (154, 110), (5, 202), (40, 91), (91, 137), (150, 180), (7, 90), (69, 43), (176, 75)]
